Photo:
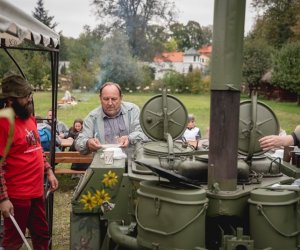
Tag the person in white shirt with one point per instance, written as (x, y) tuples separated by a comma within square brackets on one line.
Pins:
[(192, 132), (67, 97)]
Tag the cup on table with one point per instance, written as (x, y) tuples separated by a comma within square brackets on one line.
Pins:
[(108, 156), (287, 153)]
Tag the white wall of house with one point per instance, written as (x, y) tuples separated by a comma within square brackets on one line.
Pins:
[(198, 62), (162, 67)]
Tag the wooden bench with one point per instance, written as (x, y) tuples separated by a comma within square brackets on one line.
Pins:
[(68, 171), (70, 157)]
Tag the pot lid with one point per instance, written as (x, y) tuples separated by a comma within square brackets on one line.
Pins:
[(170, 175), (161, 148), (163, 114), (256, 121)]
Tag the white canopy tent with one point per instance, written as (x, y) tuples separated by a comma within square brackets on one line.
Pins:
[(17, 26)]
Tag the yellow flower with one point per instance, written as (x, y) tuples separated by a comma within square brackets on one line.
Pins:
[(101, 196), (88, 200), (110, 179)]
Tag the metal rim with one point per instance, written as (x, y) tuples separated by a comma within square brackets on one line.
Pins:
[(256, 120), (152, 117)]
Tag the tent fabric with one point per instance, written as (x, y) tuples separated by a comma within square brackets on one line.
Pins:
[(16, 26)]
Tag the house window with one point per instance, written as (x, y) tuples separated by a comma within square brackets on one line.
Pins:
[(194, 58)]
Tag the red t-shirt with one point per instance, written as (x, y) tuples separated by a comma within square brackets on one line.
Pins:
[(24, 168)]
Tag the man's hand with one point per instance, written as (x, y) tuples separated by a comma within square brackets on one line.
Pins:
[(275, 141), (7, 208), (123, 141), (52, 180), (93, 144)]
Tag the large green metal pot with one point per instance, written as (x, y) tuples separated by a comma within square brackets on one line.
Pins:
[(274, 219), (169, 217)]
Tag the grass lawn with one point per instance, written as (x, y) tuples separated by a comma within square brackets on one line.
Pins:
[(288, 115)]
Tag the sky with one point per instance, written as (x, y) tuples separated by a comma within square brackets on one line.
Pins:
[(72, 15)]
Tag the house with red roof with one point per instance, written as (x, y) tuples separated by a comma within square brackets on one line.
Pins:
[(182, 62)]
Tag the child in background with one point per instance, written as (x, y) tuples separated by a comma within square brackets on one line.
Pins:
[(74, 131), (192, 132)]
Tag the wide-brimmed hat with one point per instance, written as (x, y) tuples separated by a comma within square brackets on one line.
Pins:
[(14, 86)]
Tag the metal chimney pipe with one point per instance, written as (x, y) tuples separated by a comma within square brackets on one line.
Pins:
[(227, 54)]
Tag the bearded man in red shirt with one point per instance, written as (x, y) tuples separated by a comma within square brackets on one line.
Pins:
[(22, 172)]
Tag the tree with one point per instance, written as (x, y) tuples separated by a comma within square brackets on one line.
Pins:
[(84, 59), (156, 38), (117, 63), (286, 71), (296, 27), (193, 81), (257, 61), (191, 35), (63, 49), (275, 25), (42, 15), (171, 45), (134, 17), (195, 34), (38, 72), (178, 32), (207, 34), (174, 81)]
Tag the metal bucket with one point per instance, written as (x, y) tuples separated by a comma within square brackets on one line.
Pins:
[(274, 219), (169, 217)]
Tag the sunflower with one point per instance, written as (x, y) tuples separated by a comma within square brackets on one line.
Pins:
[(110, 179), (101, 196), (88, 200)]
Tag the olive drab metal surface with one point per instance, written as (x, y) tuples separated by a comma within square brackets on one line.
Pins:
[(274, 218), (158, 206), (256, 120), (163, 114)]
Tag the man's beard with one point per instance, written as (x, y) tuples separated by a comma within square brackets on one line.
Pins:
[(22, 111)]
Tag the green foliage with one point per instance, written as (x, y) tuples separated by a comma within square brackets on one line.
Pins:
[(134, 18), (276, 23), (156, 37), (42, 15), (286, 71), (173, 81), (147, 76), (171, 45), (63, 49), (38, 71), (206, 83), (6, 63), (191, 35), (257, 61), (192, 82), (63, 69), (296, 27), (84, 60), (117, 63)]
